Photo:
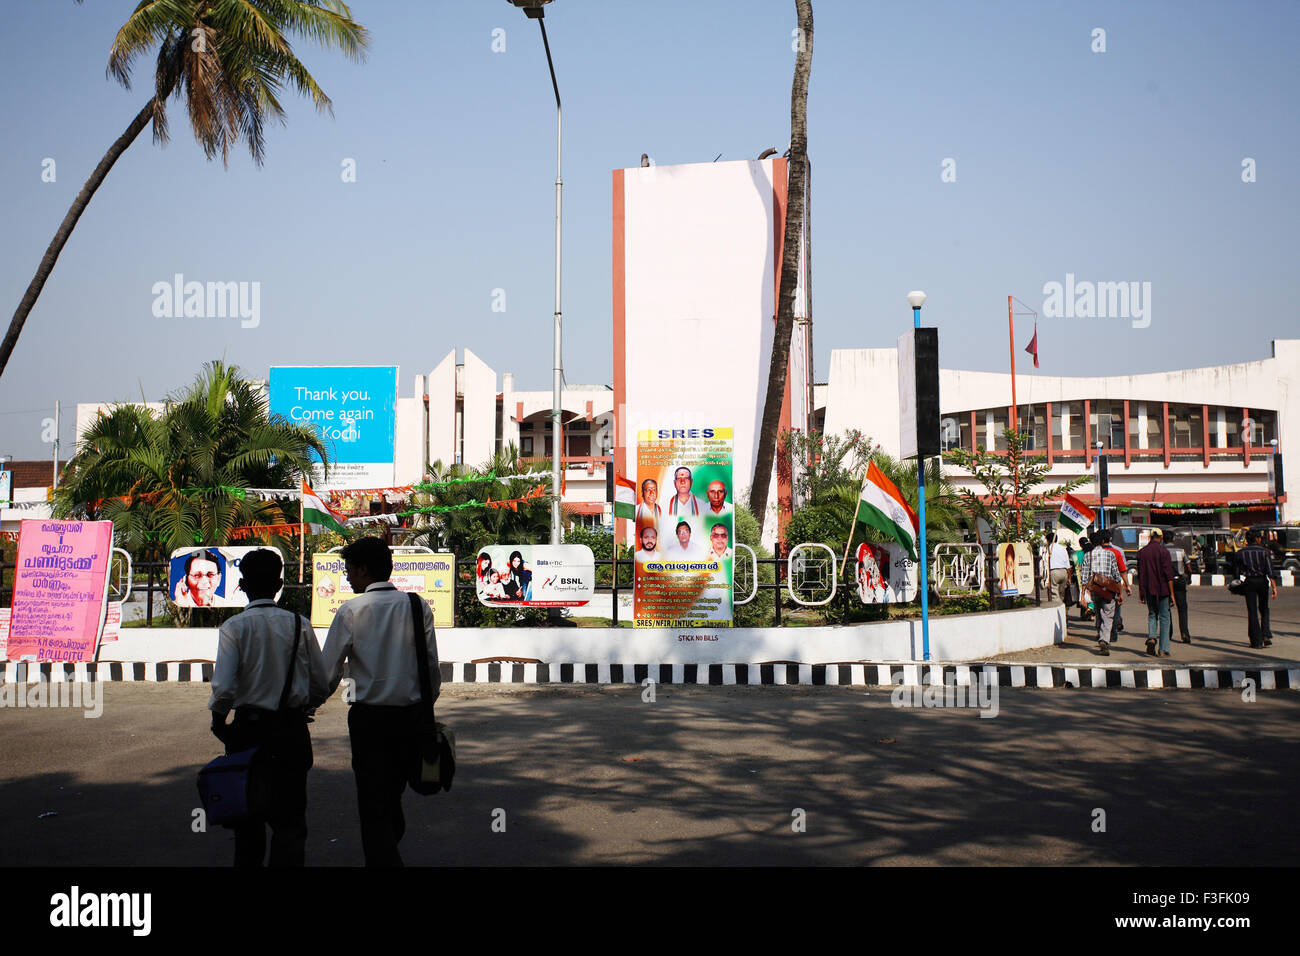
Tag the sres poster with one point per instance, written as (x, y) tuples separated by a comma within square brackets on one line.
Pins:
[(685, 528)]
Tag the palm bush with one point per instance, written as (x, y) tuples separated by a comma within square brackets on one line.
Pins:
[(179, 477)]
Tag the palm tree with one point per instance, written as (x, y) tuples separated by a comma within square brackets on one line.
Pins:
[(180, 476), (467, 525), (794, 218), (229, 60)]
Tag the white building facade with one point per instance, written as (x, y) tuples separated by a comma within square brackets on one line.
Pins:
[(1183, 447)]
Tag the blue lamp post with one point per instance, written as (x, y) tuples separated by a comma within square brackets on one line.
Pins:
[(916, 300)]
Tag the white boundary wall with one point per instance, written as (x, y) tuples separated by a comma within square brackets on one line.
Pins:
[(965, 637)]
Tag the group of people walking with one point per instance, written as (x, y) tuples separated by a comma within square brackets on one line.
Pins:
[(1101, 577), (271, 672)]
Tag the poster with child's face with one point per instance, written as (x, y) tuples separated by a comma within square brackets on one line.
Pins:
[(1015, 568), (535, 575)]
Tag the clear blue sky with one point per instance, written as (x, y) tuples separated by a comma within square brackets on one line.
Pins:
[(1123, 165)]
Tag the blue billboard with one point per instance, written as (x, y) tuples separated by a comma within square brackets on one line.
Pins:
[(353, 408)]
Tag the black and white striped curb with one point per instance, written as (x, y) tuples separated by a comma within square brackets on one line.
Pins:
[(1282, 676)]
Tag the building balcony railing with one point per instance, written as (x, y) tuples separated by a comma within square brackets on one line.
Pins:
[(588, 463)]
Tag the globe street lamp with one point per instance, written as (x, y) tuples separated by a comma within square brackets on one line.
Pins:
[(535, 10)]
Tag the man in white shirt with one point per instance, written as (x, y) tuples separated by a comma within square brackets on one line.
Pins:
[(683, 503), (719, 539), (1058, 564), (717, 495), (649, 550), (374, 634), (251, 675), (683, 550)]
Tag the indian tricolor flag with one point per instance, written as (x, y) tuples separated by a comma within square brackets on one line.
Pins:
[(624, 498), (1075, 515), (881, 506), (318, 515)]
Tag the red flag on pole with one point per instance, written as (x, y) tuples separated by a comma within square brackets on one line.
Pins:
[(1032, 347)]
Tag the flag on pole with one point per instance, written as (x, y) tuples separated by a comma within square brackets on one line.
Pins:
[(1075, 515), (320, 516), (881, 506), (1032, 347), (624, 498)]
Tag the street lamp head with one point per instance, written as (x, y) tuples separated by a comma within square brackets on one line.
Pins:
[(1100, 445), (534, 8), (1273, 442), (916, 299)]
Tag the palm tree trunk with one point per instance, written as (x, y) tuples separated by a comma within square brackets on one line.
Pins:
[(776, 376), (65, 230)]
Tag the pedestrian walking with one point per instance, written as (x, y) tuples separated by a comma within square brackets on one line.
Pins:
[(1058, 567), (1179, 557), (1102, 574), (269, 670), (1105, 538), (373, 632), (1255, 564), (1156, 590), (1081, 576)]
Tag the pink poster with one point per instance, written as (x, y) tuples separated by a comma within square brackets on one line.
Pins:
[(59, 590)]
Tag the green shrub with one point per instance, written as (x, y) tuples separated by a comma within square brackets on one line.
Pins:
[(759, 612)]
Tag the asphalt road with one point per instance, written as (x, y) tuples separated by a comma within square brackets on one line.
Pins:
[(706, 776)]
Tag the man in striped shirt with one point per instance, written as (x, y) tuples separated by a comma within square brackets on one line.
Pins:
[(1255, 562), (1101, 560)]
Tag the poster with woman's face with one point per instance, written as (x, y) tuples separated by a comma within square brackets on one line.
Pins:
[(1015, 568), (197, 578), (535, 575), (207, 577)]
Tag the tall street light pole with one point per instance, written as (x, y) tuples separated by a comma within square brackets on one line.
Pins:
[(1102, 480), (535, 10), (1272, 469), (916, 300)]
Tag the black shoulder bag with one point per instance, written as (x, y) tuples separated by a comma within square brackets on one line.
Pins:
[(434, 763), (232, 788)]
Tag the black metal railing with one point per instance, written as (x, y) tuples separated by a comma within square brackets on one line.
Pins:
[(613, 576)]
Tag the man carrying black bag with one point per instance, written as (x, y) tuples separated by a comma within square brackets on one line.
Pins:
[(269, 669), (373, 633)]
